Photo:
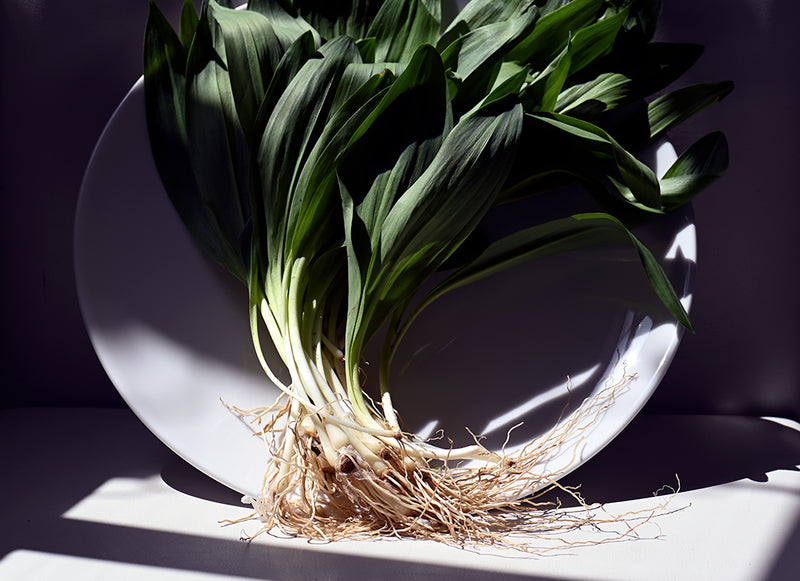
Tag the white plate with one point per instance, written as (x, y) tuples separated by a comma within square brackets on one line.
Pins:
[(171, 331)]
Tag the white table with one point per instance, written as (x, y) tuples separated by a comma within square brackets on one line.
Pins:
[(91, 494)]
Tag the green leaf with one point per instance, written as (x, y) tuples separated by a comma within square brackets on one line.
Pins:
[(287, 24), (402, 26), (298, 118), (298, 53), (595, 40), (479, 13), (595, 96), (250, 50), (316, 223), (698, 167), (510, 79), (640, 179), (367, 47), (188, 23), (675, 107), (548, 6), (476, 58), (555, 237), (333, 18), (356, 75), (415, 113), (585, 46), (457, 188), (216, 141), (435, 214), (165, 97), (375, 171), (359, 258), (542, 93), (553, 31)]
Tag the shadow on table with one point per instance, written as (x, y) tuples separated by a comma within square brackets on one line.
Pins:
[(688, 452), (61, 456), (185, 478), (787, 561)]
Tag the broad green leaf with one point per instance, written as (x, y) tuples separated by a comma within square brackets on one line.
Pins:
[(544, 88), (510, 79), (640, 179), (675, 107), (316, 222), (374, 172), (585, 46), (402, 26), (595, 40), (487, 44), (475, 59), (548, 6), (357, 74), (698, 167), (287, 24), (216, 140), (165, 98), (298, 53), (555, 237), (437, 212), (553, 31), (357, 245), (333, 18), (298, 118), (458, 187), (188, 23), (478, 13), (415, 112), (595, 96), (250, 51), (367, 47)]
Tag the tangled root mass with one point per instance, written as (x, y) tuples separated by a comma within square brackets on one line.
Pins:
[(507, 503)]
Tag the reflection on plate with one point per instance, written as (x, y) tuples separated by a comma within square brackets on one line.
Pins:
[(524, 347)]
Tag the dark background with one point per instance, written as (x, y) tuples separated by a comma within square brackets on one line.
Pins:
[(66, 66)]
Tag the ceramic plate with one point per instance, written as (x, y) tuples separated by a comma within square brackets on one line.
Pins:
[(520, 350)]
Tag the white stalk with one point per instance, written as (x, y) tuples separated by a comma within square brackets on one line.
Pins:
[(388, 411)]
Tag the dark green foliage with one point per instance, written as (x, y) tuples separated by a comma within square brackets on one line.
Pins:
[(369, 140)]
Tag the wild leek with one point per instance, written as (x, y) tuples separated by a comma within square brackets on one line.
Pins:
[(334, 156)]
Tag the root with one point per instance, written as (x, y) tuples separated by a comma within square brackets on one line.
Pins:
[(497, 503)]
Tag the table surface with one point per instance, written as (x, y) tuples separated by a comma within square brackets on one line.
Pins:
[(91, 494)]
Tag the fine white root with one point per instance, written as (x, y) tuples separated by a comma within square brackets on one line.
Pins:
[(414, 490)]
